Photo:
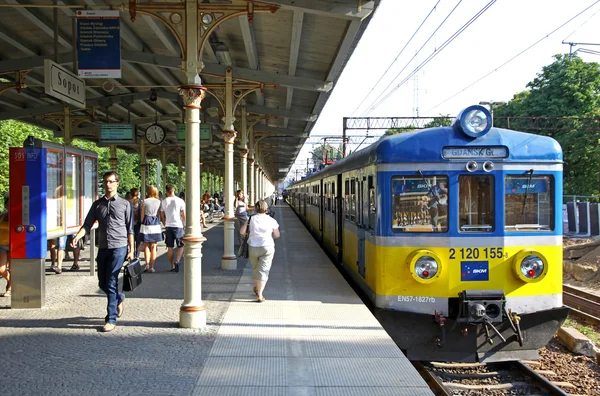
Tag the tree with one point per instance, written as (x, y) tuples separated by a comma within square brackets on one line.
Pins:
[(441, 121), (326, 152), (13, 134), (569, 87)]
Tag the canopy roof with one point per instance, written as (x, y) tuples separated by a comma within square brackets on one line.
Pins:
[(302, 48)]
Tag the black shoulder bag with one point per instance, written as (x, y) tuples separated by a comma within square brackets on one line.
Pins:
[(132, 275)]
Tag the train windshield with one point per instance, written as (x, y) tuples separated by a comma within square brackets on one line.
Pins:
[(420, 204), (476, 203), (528, 203)]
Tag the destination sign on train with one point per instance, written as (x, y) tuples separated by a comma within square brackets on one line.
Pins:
[(474, 152)]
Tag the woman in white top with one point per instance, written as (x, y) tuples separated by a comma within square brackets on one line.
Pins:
[(263, 230)]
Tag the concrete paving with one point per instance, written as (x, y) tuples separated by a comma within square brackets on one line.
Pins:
[(313, 335)]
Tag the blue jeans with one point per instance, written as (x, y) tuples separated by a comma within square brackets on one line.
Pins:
[(110, 262)]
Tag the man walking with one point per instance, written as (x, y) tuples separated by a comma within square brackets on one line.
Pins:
[(172, 214), (115, 243)]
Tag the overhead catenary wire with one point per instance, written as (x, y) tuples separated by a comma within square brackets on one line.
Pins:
[(434, 54), (580, 26), (397, 56), (418, 51), (514, 57)]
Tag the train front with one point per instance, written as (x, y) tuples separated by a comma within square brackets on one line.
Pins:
[(472, 259)]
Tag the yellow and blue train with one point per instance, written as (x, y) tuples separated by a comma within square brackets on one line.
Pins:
[(454, 234)]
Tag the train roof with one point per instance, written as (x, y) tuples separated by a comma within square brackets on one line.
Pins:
[(426, 145)]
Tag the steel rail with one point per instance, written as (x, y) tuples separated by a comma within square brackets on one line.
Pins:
[(438, 385), (584, 305), (540, 379)]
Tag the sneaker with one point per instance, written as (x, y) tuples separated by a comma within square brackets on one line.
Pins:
[(176, 267), (108, 327), (55, 269), (74, 267)]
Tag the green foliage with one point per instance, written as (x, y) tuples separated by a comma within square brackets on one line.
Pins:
[(441, 121), (326, 151), (566, 88), (13, 133), (395, 131)]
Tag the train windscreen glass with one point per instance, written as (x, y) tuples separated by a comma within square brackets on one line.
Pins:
[(420, 204), (476, 203), (529, 204)]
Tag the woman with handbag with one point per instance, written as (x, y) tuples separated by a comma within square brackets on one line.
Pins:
[(150, 230), (262, 232), (4, 237)]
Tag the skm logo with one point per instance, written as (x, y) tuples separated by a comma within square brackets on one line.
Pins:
[(479, 271)]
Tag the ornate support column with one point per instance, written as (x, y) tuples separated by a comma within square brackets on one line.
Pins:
[(180, 173), (251, 188), (164, 170), (67, 132), (244, 154), (229, 260), (113, 157), (192, 313), (143, 167), (257, 177)]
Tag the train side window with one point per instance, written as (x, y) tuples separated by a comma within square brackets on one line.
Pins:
[(420, 204), (372, 203), (333, 197), (476, 203), (528, 203)]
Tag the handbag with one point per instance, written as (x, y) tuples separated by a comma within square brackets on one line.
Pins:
[(243, 250), (132, 275)]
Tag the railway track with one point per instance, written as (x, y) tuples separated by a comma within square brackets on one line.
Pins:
[(584, 306), (513, 377)]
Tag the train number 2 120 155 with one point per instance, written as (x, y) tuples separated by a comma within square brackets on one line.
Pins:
[(477, 253)]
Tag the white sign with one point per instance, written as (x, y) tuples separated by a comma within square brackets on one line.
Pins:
[(474, 152), (63, 85)]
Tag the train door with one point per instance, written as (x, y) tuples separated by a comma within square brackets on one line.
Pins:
[(360, 225), (339, 220), (304, 199), (321, 210)]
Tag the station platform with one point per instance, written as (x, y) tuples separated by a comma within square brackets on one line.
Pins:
[(312, 336)]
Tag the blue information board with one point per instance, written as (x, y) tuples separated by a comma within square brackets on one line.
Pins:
[(99, 44), (116, 133)]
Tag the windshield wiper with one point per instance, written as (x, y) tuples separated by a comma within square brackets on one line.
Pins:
[(526, 194)]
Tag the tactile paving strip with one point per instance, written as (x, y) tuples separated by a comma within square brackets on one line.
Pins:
[(249, 345), (365, 372), (243, 371)]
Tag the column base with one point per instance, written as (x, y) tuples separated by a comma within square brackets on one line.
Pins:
[(192, 317), (229, 263)]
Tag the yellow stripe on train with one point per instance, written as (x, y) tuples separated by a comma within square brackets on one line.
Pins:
[(391, 274)]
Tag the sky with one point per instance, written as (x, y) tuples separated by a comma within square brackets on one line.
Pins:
[(449, 81)]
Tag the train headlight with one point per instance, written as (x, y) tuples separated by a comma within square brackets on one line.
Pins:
[(425, 266), (530, 265), (474, 121)]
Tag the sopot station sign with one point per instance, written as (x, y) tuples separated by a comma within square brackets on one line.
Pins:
[(64, 85)]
